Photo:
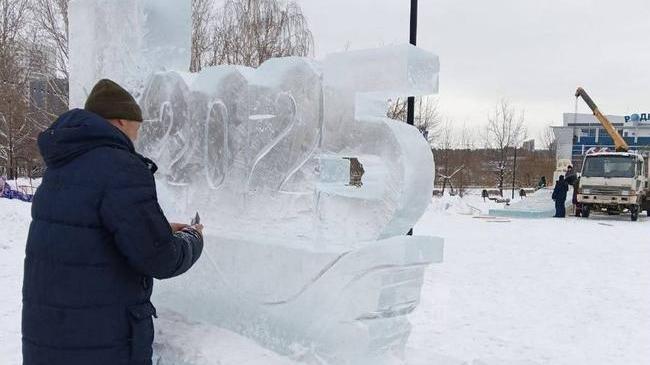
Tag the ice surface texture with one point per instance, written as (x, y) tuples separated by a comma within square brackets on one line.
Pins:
[(305, 187), (272, 144), (296, 257)]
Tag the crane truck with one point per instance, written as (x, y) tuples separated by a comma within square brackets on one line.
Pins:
[(613, 181)]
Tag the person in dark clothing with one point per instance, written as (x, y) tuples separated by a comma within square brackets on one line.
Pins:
[(572, 180), (97, 239), (576, 205), (542, 183), (559, 195), (570, 177)]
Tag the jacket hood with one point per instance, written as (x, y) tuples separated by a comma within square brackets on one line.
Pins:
[(77, 132)]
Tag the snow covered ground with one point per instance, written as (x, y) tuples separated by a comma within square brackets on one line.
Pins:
[(548, 291), (510, 292)]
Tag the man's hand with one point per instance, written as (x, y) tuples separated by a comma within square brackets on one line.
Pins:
[(196, 227), (178, 227)]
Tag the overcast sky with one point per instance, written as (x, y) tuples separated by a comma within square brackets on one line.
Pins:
[(534, 53)]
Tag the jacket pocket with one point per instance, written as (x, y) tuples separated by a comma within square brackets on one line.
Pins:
[(142, 332)]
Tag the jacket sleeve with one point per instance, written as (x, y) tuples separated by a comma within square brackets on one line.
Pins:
[(131, 213)]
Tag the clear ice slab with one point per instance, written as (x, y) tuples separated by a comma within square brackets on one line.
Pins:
[(537, 205)]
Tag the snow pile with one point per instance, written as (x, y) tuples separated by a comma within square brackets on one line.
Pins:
[(468, 204), (179, 342)]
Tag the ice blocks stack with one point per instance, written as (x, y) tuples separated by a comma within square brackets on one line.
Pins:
[(306, 189)]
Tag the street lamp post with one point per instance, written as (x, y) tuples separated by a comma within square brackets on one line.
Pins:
[(413, 39), (514, 173)]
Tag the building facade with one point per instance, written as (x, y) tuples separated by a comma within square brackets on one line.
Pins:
[(581, 134)]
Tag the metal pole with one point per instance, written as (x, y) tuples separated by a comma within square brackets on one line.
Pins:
[(514, 174), (413, 39)]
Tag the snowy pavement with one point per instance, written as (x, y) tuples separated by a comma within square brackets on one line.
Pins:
[(548, 291), (517, 292)]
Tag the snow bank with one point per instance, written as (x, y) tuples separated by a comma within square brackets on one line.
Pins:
[(180, 342), (14, 223), (469, 204)]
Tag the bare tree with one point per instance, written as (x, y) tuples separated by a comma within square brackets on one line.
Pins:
[(202, 20), (13, 15), (249, 32), (505, 130), (52, 18), (15, 131), (548, 140), (16, 136), (427, 115), (466, 138), (397, 109), (447, 144), (49, 57)]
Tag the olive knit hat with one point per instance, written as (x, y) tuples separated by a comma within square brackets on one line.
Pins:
[(110, 101)]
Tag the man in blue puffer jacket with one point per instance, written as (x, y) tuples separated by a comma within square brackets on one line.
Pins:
[(97, 239)]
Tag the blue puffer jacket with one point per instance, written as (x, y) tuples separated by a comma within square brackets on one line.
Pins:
[(97, 238)]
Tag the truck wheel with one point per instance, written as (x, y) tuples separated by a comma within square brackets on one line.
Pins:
[(634, 213), (585, 211)]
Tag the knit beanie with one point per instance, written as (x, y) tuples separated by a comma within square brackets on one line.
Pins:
[(110, 101)]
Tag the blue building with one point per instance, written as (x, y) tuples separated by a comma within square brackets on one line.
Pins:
[(581, 134)]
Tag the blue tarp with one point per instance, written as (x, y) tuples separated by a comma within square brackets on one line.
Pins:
[(9, 193)]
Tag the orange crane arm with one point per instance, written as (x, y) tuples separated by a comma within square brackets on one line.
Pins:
[(619, 142)]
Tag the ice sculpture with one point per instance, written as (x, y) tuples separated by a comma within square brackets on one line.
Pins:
[(297, 257)]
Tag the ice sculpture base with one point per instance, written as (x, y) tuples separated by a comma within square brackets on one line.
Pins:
[(333, 305), (537, 205)]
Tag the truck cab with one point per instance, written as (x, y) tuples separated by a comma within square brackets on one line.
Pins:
[(614, 182)]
